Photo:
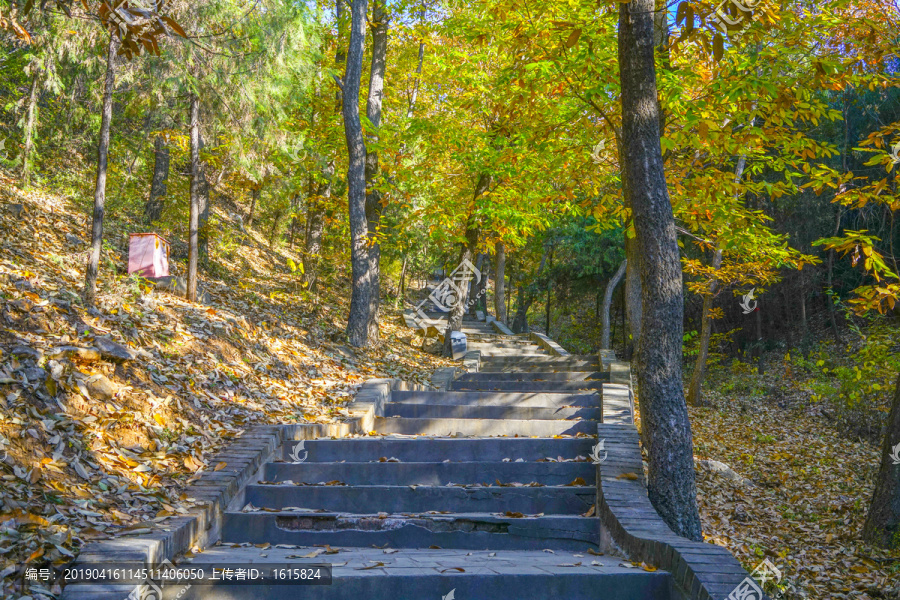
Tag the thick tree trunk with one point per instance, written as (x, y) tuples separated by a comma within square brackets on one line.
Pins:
[(158, 185), (671, 484), (93, 266), (607, 303), (882, 526), (374, 201), (500, 282), (196, 193), (632, 294), (30, 117), (362, 304)]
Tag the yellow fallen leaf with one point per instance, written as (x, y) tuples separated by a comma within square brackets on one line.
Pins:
[(630, 476), (220, 466)]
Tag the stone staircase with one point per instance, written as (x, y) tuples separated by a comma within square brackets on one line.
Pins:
[(482, 489)]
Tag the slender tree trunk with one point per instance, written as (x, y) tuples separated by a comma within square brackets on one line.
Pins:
[(500, 282), (829, 282), (361, 303), (475, 286), (315, 228), (30, 118), (93, 266), (671, 484), (882, 526), (399, 299), (526, 298), (203, 223), (196, 192), (374, 200), (695, 393), (607, 303), (549, 293), (254, 199), (158, 185)]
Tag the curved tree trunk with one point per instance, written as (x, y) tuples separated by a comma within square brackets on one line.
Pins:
[(90, 283), (882, 526), (695, 394), (500, 282), (671, 483), (607, 302), (361, 302), (158, 185)]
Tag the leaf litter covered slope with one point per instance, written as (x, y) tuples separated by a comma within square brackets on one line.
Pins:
[(807, 496), (94, 447)]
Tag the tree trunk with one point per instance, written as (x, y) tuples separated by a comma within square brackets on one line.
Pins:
[(158, 185), (526, 299), (882, 526), (607, 302), (829, 274), (203, 223), (632, 294), (500, 282), (361, 302), (254, 199), (399, 299), (196, 192), (695, 394), (30, 117), (549, 294), (315, 228), (466, 253), (374, 201), (93, 266), (671, 484), (475, 286)]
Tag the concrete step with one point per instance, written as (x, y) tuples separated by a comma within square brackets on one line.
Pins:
[(522, 399), (482, 427), (432, 574), (511, 352), (536, 376), (437, 450), (525, 386), (468, 411), (467, 530), (514, 345), (560, 500), (554, 363), (436, 473)]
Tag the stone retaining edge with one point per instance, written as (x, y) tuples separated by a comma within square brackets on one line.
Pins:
[(500, 327), (216, 491), (701, 571), (547, 344)]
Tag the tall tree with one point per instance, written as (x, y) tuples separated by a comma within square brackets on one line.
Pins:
[(93, 266), (158, 188), (607, 302), (500, 282), (196, 191), (671, 484), (361, 302)]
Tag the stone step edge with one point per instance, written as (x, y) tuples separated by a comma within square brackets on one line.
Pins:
[(702, 571), (216, 491)]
